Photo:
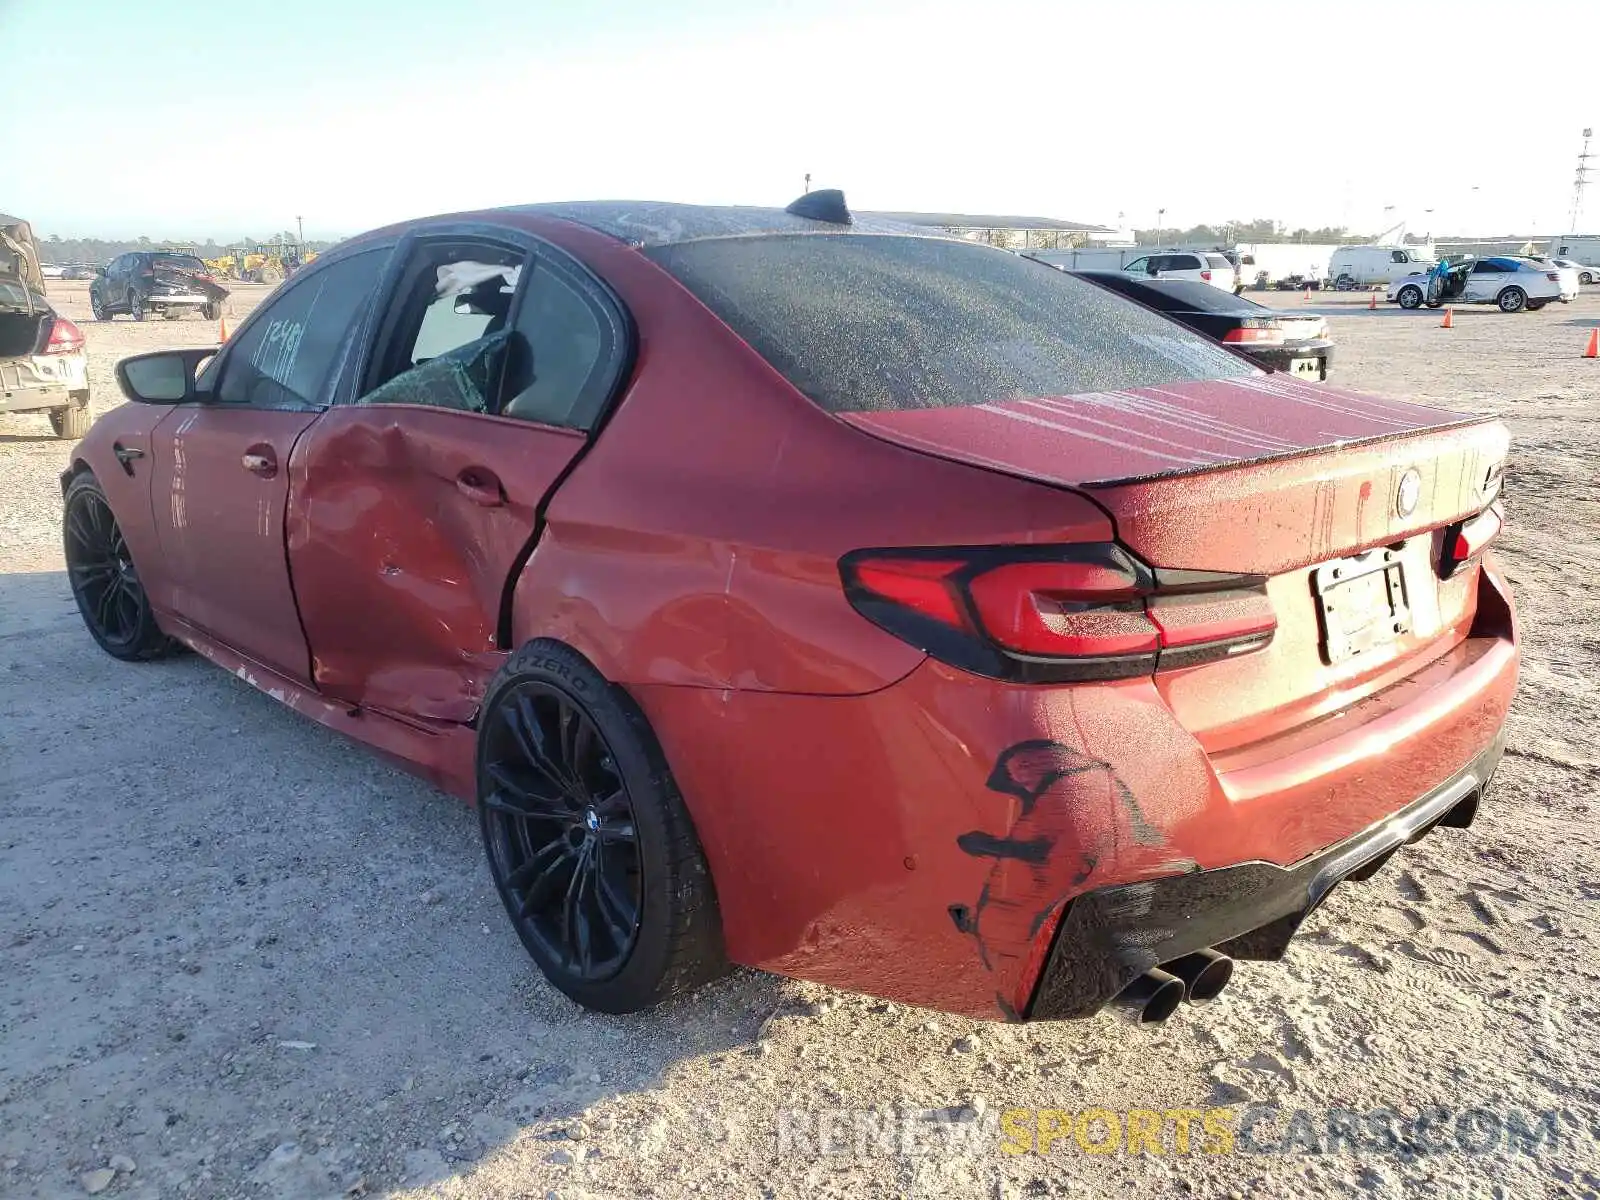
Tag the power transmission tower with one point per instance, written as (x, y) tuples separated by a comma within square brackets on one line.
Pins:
[(1580, 182)]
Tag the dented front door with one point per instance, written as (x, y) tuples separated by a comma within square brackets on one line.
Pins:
[(408, 522)]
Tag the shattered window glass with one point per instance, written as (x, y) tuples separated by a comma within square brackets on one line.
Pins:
[(872, 323), (464, 378)]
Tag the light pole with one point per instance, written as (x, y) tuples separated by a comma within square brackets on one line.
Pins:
[(300, 224), (808, 183), (1161, 223)]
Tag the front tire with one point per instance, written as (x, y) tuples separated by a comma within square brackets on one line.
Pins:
[(136, 308), (105, 585), (97, 306), (589, 842), (1586, 278), (1512, 300), (1409, 296)]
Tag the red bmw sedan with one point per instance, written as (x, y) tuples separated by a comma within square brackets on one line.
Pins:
[(791, 589)]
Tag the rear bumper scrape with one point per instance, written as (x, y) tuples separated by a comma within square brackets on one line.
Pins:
[(1111, 936)]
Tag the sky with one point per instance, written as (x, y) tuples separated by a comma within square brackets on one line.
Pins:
[(179, 119)]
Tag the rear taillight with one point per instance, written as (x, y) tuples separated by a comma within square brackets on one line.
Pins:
[(1552, 277), (1466, 540), (1057, 613), (1254, 335), (65, 337), (1206, 275)]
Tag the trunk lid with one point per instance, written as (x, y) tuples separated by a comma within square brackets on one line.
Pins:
[(1261, 476), (1251, 475)]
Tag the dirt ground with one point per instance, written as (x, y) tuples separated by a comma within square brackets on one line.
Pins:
[(241, 958)]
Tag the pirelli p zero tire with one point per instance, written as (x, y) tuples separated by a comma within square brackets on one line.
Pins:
[(589, 843), (105, 584)]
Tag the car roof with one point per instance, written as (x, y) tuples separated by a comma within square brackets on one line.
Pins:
[(660, 223)]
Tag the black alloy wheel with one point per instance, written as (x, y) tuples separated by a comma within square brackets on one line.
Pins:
[(561, 832), (104, 581)]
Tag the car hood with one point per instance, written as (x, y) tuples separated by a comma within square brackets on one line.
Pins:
[(19, 259)]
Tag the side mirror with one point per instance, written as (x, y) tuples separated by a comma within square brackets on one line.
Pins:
[(99, 270), (165, 377)]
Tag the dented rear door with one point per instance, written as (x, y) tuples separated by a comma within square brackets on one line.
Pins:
[(414, 505)]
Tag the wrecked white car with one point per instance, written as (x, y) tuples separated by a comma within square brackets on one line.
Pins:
[(43, 365)]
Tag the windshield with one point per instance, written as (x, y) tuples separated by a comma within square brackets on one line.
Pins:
[(873, 323)]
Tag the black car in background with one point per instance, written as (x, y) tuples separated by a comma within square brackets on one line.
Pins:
[(168, 282), (1295, 343)]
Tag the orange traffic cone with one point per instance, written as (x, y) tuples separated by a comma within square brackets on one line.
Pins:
[(1592, 350), (1308, 291), (1372, 299), (1449, 321), (222, 328)]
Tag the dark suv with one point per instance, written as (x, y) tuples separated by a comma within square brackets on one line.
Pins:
[(168, 282)]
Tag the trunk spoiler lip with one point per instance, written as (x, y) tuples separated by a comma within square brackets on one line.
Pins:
[(1466, 421)]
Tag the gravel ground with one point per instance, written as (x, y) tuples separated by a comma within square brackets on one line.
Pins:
[(241, 958)]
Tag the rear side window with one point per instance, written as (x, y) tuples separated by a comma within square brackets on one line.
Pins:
[(1218, 263), (876, 323)]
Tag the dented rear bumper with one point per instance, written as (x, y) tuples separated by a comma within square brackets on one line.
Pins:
[(1111, 936)]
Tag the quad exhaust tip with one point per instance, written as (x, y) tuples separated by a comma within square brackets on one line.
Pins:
[(1204, 973), (1155, 995)]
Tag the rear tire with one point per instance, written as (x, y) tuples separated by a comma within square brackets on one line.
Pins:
[(211, 311), (104, 583), (1409, 296), (1512, 300), (612, 826), (73, 421), (1586, 278)]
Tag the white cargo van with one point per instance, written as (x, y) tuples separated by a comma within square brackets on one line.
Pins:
[(1363, 266)]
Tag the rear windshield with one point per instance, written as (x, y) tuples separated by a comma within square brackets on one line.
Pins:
[(873, 323), (1176, 295), (179, 262)]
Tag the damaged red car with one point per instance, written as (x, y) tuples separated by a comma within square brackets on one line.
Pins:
[(789, 589)]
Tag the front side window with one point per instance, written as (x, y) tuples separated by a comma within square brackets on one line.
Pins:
[(861, 322), (283, 357), (1138, 265), (1399, 256)]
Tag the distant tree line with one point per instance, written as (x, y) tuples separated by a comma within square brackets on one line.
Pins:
[(98, 251)]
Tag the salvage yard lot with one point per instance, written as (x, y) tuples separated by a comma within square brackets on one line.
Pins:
[(257, 962)]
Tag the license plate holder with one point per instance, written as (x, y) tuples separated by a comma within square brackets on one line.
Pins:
[(1362, 604)]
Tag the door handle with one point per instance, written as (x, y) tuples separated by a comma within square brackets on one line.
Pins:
[(262, 463), (481, 486), (126, 455)]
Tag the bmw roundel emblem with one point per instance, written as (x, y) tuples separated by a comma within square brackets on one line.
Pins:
[(1409, 492)]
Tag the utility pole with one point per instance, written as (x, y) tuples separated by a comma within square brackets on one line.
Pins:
[(1580, 182), (300, 224), (1161, 223), (808, 183)]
